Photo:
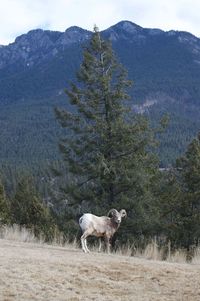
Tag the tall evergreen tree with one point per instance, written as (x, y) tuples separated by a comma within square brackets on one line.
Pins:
[(106, 146)]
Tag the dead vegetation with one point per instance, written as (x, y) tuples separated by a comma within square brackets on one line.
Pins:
[(35, 271)]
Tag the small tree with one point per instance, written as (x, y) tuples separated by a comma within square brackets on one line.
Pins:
[(188, 214), (28, 210), (168, 194), (4, 207)]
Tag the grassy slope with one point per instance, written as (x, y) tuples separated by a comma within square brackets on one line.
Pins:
[(41, 272)]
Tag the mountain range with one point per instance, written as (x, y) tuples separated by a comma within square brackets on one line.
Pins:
[(37, 67)]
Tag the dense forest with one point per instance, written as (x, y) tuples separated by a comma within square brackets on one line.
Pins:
[(108, 159)]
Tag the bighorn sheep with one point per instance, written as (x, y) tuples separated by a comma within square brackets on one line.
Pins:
[(100, 226)]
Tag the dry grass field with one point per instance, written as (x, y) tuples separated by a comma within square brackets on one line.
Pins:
[(33, 271)]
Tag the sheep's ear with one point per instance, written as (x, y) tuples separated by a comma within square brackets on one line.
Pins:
[(123, 213)]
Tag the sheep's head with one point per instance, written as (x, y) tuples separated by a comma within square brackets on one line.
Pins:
[(123, 213), (117, 216)]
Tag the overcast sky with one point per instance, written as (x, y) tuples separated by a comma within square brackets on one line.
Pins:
[(20, 16)]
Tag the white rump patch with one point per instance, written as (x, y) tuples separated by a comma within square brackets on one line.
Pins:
[(85, 220)]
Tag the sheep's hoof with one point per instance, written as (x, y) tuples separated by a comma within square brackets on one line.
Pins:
[(85, 251)]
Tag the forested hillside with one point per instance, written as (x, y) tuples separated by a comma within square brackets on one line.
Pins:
[(37, 67)]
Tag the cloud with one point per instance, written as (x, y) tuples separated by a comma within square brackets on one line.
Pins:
[(20, 16), (165, 14), (17, 16)]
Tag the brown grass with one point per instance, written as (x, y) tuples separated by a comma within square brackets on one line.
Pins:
[(17, 233), (32, 271), (196, 257)]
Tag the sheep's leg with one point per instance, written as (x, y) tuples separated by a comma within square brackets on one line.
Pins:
[(87, 250), (99, 250), (107, 239), (84, 245), (84, 242)]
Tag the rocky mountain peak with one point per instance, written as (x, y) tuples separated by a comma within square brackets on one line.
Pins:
[(74, 34), (37, 39), (38, 44), (32, 34), (124, 30), (127, 26)]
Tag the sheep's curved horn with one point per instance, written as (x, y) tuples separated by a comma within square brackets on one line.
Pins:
[(112, 212), (123, 213)]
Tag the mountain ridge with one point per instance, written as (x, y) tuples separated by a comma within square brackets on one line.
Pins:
[(50, 40)]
